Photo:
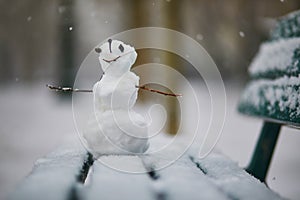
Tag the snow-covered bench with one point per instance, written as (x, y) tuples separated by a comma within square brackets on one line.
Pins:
[(72, 174), (273, 94)]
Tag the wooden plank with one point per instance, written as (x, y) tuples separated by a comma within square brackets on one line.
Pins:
[(52, 177)]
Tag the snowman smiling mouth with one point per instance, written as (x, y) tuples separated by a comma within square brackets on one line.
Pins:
[(109, 61), (115, 59)]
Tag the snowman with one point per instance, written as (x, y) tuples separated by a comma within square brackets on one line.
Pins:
[(115, 127)]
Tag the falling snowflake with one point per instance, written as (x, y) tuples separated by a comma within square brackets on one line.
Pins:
[(61, 9), (199, 37), (242, 34)]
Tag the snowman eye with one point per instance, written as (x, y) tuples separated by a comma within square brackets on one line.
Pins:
[(98, 50), (109, 42), (121, 48)]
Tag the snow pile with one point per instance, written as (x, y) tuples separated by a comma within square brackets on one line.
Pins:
[(278, 99), (276, 58), (115, 128)]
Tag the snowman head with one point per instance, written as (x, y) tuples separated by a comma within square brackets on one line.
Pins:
[(114, 55)]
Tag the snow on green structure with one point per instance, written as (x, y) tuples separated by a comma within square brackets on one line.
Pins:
[(273, 92)]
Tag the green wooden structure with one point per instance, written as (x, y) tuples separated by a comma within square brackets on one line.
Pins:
[(273, 93)]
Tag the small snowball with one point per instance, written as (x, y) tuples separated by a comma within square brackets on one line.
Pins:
[(70, 28), (29, 18)]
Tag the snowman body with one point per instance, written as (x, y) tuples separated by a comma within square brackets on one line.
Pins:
[(115, 128)]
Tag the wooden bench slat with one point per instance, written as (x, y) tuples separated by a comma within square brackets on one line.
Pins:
[(52, 177)]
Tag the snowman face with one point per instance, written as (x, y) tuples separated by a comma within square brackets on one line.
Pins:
[(114, 52)]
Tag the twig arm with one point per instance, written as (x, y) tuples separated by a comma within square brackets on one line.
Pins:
[(143, 87), (66, 89)]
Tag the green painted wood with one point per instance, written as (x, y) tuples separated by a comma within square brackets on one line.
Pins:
[(287, 26), (263, 153), (276, 100)]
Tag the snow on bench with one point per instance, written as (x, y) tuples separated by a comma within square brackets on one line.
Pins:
[(52, 176), (277, 58), (274, 99), (59, 176)]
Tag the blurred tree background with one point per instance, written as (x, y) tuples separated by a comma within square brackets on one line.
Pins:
[(46, 41), (41, 39)]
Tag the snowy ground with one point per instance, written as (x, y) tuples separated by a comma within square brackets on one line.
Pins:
[(33, 122)]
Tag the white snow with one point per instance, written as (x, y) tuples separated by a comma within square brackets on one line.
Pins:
[(233, 180), (61, 9), (199, 37), (183, 180), (115, 128), (282, 91), (217, 178), (275, 55), (107, 183), (242, 34), (52, 176)]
